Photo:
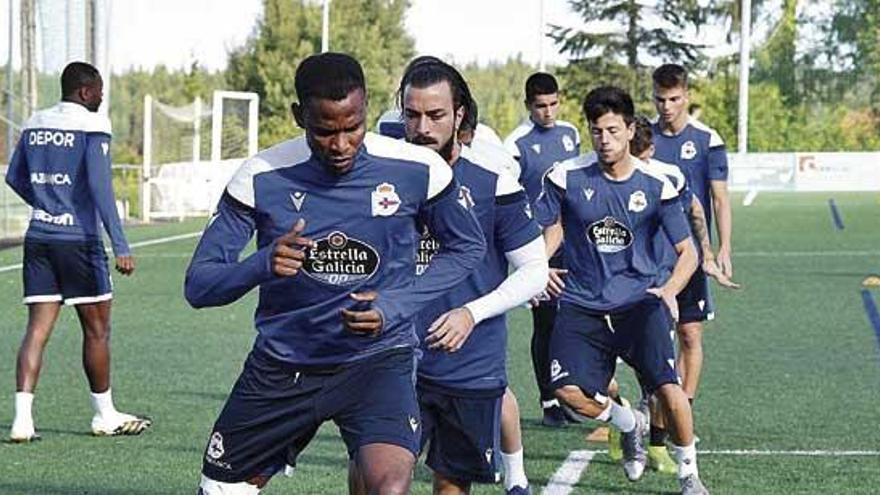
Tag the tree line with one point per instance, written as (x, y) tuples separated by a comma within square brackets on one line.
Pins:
[(815, 83)]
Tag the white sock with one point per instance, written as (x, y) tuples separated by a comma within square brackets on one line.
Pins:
[(103, 403), (514, 470), (621, 417), (687, 459), (23, 409)]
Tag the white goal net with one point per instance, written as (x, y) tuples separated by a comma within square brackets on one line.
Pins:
[(191, 151)]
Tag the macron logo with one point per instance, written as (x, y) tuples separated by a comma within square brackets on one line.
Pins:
[(50, 179)]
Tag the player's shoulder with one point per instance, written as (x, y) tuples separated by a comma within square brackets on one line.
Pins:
[(520, 131), (567, 126), (487, 134), (285, 154), (399, 151), (68, 116), (668, 170), (497, 162), (558, 173), (654, 172), (390, 124), (714, 138)]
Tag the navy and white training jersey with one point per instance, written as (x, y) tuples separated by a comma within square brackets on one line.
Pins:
[(700, 153), (609, 230), (664, 247), (538, 148), (502, 209), (61, 168), (366, 226)]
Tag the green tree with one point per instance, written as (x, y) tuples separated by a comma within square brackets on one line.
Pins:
[(370, 30)]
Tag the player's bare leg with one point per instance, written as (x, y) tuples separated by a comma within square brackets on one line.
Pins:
[(94, 319), (385, 469), (677, 411), (448, 486), (658, 455), (690, 359), (41, 320), (511, 444), (95, 322)]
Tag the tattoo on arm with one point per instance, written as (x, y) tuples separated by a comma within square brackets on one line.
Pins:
[(701, 233)]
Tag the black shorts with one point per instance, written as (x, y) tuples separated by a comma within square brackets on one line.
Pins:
[(274, 411), (695, 300), (462, 434), (585, 346), (72, 272)]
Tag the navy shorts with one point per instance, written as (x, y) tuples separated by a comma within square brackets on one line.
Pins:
[(462, 435), (274, 411), (73, 272), (585, 346), (695, 300)]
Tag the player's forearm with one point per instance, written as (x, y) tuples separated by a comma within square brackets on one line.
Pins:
[(700, 229), (553, 235), (462, 247), (684, 266), (215, 275), (214, 282), (723, 215), (527, 280)]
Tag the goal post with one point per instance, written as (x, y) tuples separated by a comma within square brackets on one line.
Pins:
[(177, 183)]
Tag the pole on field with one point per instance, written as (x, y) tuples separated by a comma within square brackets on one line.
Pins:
[(10, 113), (148, 159), (541, 65), (744, 62), (325, 27)]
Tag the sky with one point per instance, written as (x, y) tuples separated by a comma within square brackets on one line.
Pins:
[(145, 33)]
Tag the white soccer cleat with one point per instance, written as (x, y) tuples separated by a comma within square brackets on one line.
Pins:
[(23, 433), (634, 453), (119, 424)]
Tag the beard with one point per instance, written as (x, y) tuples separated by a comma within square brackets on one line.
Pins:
[(444, 150)]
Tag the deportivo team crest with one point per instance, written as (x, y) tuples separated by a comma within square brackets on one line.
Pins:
[(341, 260), (609, 235), (637, 201), (688, 150), (215, 446), (385, 200), (567, 143)]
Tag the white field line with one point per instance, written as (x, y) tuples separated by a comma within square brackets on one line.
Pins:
[(564, 479), (786, 254), (567, 476), (151, 242)]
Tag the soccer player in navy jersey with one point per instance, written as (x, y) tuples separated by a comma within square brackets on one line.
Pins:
[(700, 153), (336, 214), (462, 375), (615, 302), (61, 169), (538, 143)]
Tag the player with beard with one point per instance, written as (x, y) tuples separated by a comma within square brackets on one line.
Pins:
[(616, 300), (462, 375), (335, 213)]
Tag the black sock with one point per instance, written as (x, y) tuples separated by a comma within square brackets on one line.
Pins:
[(658, 436), (691, 402)]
